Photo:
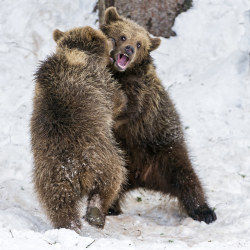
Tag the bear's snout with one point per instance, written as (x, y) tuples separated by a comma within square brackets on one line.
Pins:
[(129, 50)]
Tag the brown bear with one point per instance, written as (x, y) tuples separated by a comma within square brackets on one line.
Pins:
[(76, 102), (150, 133)]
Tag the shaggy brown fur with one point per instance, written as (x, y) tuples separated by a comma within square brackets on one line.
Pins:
[(75, 153), (151, 132)]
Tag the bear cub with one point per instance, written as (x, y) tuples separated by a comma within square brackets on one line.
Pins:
[(75, 154), (150, 132)]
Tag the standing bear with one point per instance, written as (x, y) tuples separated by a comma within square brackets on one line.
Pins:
[(150, 131), (75, 105)]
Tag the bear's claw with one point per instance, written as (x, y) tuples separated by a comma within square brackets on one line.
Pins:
[(203, 213)]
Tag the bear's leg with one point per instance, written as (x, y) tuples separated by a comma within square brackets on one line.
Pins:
[(62, 208), (131, 184), (173, 173), (67, 216), (60, 201), (185, 185), (102, 198), (95, 215), (115, 209)]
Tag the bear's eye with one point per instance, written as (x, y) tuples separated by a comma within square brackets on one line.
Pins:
[(123, 38), (113, 41), (138, 45)]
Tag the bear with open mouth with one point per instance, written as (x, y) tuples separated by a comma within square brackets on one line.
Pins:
[(150, 133)]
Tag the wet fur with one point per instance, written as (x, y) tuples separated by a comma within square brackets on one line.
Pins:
[(151, 132), (75, 104)]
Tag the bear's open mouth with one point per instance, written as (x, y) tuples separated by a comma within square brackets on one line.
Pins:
[(122, 61)]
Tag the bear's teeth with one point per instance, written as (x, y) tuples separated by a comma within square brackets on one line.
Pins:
[(122, 60)]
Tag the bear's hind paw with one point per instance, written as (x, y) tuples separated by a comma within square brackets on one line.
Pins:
[(95, 217), (203, 213)]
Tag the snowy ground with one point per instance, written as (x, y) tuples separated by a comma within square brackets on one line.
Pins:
[(206, 70)]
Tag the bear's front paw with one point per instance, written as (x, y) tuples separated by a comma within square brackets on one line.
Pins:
[(203, 213)]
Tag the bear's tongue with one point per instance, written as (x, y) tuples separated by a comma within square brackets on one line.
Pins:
[(122, 60)]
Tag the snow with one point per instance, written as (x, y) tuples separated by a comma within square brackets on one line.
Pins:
[(206, 71)]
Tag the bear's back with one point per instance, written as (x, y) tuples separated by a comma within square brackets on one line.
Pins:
[(71, 101)]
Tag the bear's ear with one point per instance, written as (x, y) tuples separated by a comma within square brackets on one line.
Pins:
[(57, 34), (155, 43), (111, 15)]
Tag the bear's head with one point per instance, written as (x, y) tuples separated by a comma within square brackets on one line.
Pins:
[(133, 43), (78, 42)]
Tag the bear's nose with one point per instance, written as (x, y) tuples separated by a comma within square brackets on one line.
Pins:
[(129, 50)]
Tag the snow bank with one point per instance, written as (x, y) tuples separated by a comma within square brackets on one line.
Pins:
[(206, 70)]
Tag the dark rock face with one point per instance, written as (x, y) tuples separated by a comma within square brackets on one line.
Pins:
[(157, 17)]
